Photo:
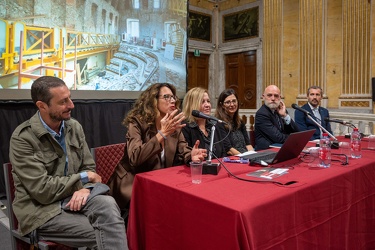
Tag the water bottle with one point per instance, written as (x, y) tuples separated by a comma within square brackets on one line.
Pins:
[(355, 144), (325, 151)]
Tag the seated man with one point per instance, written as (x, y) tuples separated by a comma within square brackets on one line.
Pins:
[(272, 122), (54, 175), (314, 96)]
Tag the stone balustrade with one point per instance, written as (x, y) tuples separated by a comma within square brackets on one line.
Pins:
[(364, 122)]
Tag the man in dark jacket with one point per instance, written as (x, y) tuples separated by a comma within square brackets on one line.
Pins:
[(272, 122), (314, 97)]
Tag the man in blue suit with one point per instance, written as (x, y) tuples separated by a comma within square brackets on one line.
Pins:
[(314, 96)]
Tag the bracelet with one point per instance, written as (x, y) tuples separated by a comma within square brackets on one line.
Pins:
[(162, 134)]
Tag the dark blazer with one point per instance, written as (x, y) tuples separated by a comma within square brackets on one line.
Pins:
[(304, 123), (267, 131), (192, 133)]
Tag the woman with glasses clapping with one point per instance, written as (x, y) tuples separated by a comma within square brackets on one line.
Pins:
[(227, 110), (153, 141)]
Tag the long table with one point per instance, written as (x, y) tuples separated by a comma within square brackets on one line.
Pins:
[(331, 208)]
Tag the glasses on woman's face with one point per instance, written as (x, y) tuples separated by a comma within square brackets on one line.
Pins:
[(229, 102), (168, 97)]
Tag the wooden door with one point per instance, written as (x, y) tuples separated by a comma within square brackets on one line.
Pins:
[(198, 71), (240, 71)]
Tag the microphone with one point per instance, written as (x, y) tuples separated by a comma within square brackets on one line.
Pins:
[(337, 121), (295, 106), (209, 167), (198, 114)]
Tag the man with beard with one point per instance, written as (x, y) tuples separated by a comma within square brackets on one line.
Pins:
[(57, 195), (272, 122), (314, 96)]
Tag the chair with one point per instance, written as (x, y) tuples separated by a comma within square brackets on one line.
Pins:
[(106, 159), (17, 240)]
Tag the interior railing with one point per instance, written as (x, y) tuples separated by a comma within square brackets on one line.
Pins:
[(364, 122)]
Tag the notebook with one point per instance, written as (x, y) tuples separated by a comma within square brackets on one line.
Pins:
[(290, 149)]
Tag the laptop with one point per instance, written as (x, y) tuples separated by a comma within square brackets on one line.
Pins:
[(289, 150)]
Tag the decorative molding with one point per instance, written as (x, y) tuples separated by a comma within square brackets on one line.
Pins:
[(356, 103)]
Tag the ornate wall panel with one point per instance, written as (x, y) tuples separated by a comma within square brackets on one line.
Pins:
[(356, 48), (312, 45), (272, 42)]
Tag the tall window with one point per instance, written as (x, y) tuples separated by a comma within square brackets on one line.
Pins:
[(136, 4), (156, 4), (133, 27)]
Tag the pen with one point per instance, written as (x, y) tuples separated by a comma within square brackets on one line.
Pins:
[(241, 160)]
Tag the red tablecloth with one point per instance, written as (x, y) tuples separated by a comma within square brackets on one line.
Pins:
[(330, 208)]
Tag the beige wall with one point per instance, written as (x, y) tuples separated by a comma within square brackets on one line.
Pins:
[(322, 42)]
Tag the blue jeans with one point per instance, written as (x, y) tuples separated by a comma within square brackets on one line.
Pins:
[(98, 225)]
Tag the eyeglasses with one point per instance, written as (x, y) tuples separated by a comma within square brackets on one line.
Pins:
[(228, 103), (168, 97)]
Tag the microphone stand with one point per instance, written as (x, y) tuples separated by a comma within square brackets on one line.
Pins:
[(209, 167), (335, 143), (350, 126)]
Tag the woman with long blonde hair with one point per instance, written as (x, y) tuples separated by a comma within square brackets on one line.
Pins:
[(200, 128)]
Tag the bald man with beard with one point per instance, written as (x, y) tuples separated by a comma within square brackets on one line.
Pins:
[(272, 122)]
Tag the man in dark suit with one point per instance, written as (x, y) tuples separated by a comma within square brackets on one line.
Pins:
[(272, 122), (314, 96)]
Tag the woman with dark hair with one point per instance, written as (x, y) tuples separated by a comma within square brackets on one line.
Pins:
[(227, 110), (153, 141)]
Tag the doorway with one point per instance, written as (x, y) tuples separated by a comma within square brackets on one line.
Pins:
[(198, 71), (241, 75)]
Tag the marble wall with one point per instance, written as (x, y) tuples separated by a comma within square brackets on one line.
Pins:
[(302, 43)]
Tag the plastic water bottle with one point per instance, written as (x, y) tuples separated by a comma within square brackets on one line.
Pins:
[(355, 144), (325, 151)]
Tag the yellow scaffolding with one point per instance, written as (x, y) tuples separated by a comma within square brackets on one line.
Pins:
[(28, 48), (28, 73)]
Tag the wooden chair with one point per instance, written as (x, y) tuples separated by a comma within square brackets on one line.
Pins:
[(17, 240), (106, 159)]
